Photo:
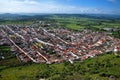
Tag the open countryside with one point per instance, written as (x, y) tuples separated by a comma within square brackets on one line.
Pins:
[(65, 44)]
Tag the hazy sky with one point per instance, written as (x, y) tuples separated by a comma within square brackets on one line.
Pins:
[(60, 6)]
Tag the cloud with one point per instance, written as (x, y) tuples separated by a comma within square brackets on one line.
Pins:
[(41, 6), (16, 5)]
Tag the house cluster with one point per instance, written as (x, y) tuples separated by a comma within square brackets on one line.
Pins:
[(43, 45)]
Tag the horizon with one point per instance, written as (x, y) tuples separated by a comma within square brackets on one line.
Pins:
[(33, 14), (60, 6)]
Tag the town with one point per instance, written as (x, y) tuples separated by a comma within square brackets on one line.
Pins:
[(44, 45)]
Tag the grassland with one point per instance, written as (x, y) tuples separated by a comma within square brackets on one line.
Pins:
[(100, 67)]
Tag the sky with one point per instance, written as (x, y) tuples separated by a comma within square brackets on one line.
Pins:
[(61, 6)]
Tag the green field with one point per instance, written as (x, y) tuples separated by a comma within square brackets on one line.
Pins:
[(100, 67)]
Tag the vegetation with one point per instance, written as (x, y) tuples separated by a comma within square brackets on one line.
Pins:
[(9, 58), (98, 68), (72, 22)]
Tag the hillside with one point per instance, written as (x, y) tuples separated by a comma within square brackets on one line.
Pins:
[(100, 67)]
